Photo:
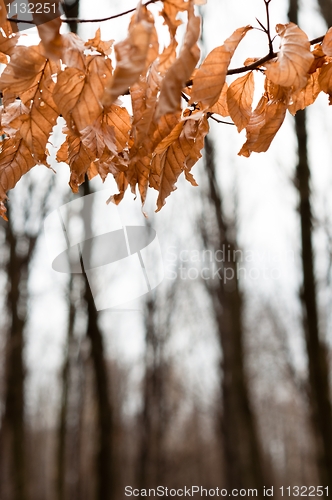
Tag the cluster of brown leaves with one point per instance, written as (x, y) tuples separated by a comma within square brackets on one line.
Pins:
[(63, 76)]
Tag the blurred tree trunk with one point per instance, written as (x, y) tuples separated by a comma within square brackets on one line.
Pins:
[(13, 425), (326, 10), (62, 429), (319, 389), (242, 453), (150, 463), (71, 9), (105, 456)]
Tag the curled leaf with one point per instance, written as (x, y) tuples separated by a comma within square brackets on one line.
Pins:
[(325, 79), (131, 55), (263, 126), (294, 58), (306, 96), (181, 70), (327, 43)]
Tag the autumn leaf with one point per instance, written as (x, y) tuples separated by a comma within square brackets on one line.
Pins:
[(239, 100), (294, 58), (77, 156), (264, 123), (96, 43), (325, 80), (210, 77), (73, 54), (306, 96), (38, 124), (170, 13), (109, 133), (3, 13), (11, 117), (51, 39), (122, 183), (178, 153), (23, 72), (327, 43), (78, 94), (67, 91), (7, 27), (8, 44), (181, 69), (131, 57), (221, 107), (15, 161)]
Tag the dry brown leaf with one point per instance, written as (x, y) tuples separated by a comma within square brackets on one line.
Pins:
[(181, 70), (294, 58), (327, 43), (38, 124), (306, 96), (275, 92), (264, 123), (11, 117), (3, 13), (89, 105), (23, 71), (67, 91), (78, 95), (170, 12), (220, 107), (97, 44), (178, 156), (51, 39), (131, 56), (7, 27), (325, 79), (320, 58), (77, 156), (240, 95), (107, 139), (139, 171), (210, 77), (98, 136), (15, 161), (8, 44), (73, 54), (118, 118), (122, 183)]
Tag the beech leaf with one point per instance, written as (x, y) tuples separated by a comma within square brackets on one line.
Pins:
[(239, 100), (327, 43), (306, 96), (264, 123), (209, 79), (181, 70), (294, 58), (131, 55), (15, 161)]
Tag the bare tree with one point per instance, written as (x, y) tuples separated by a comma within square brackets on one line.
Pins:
[(317, 354), (242, 452)]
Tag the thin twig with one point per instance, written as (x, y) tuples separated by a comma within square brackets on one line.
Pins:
[(210, 115), (268, 29), (77, 20), (259, 62)]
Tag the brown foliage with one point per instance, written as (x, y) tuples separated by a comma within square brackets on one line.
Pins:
[(163, 138)]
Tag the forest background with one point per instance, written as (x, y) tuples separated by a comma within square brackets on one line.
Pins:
[(212, 383)]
